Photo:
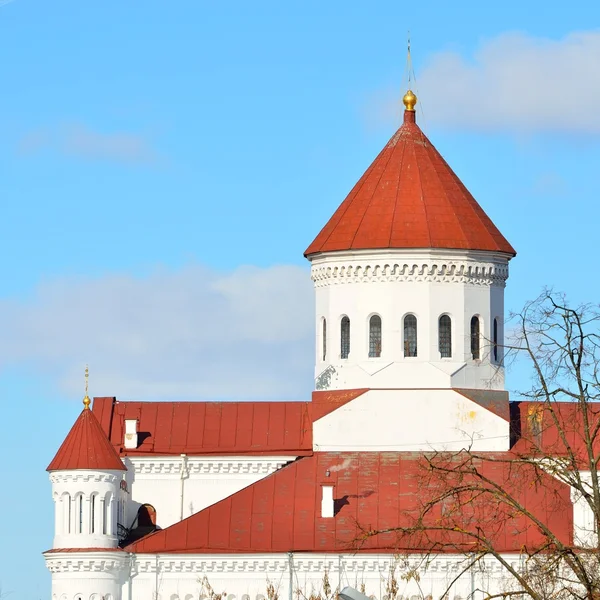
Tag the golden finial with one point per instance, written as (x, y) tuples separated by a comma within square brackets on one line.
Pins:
[(410, 100), (86, 400)]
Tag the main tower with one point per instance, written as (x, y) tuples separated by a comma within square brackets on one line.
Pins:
[(409, 277)]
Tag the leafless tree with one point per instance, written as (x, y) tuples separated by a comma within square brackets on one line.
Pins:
[(480, 504)]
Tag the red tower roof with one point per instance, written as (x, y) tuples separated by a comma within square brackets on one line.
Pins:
[(409, 198), (86, 447)]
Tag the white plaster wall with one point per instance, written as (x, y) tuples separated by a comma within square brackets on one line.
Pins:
[(584, 530), (204, 480), (245, 577), (67, 487), (410, 420), (88, 575), (426, 283)]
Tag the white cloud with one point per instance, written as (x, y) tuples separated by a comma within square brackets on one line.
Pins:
[(82, 141), (514, 83), (187, 334)]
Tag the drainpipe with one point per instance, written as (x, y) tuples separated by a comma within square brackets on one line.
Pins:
[(291, 568), (184, 474), (130, 579)]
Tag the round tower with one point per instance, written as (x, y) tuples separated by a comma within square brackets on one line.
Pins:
[(86, 476), (409, 277)]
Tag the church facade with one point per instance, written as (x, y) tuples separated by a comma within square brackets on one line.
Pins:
[(265, 500)]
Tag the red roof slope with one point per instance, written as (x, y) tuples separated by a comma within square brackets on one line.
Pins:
[(409, 198), (196, 428), (372, 491), (556, 429), (86, 447)]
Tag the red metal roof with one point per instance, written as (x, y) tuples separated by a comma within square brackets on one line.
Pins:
[(409, 198), (196, 428), (326, 402), (372, 490), (86, 447), (536, 429)]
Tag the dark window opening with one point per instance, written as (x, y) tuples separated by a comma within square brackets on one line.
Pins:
[(475, 351), (345, 338), (375, 336), (495, 340), (445, 336), (410, 335)]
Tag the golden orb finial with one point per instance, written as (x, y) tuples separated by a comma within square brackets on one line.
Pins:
[(86, 399), (410, 100)]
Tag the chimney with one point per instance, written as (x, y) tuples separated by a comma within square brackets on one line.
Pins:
[(131, 436), (327, 501)]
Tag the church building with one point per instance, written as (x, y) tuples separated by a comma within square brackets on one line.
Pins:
[(271, 500)]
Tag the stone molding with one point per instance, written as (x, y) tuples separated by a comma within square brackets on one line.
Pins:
[(82, 477), (80, 563), (279, 564), (479, 273), (207, 466)]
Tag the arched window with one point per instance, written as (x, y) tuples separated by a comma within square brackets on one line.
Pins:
[(146, 516), (410, 335), (495, 340), (93, 513), (79, 513), (345, 338), (375, 336), (475, 338), (66, 517), (324, 340), (445, 336)]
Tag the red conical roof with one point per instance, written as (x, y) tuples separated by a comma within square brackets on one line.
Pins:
[(409, 198), (86, 447)]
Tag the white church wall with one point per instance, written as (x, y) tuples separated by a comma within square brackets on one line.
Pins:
[(584, 522), (410, 420), (88, 575), (178, 487), (245, 577), (392, 284)]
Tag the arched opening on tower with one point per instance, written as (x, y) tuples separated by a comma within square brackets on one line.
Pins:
[(146, 516), (375, 336), (410, 335), (475, 333), (345, 338), (445, 336)]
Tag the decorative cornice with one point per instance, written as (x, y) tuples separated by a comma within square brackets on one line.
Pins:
[(304, 564), (79, 563), (207, 466), (82, 477), (480, 273)]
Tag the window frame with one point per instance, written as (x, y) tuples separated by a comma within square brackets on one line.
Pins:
[(442, 335), (375, 345), (345, 337), (405, 341), (475, 338)]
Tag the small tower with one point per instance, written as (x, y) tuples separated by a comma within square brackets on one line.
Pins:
[(86, 476)]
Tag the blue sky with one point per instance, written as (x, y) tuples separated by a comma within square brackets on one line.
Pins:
[(166, 164)]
